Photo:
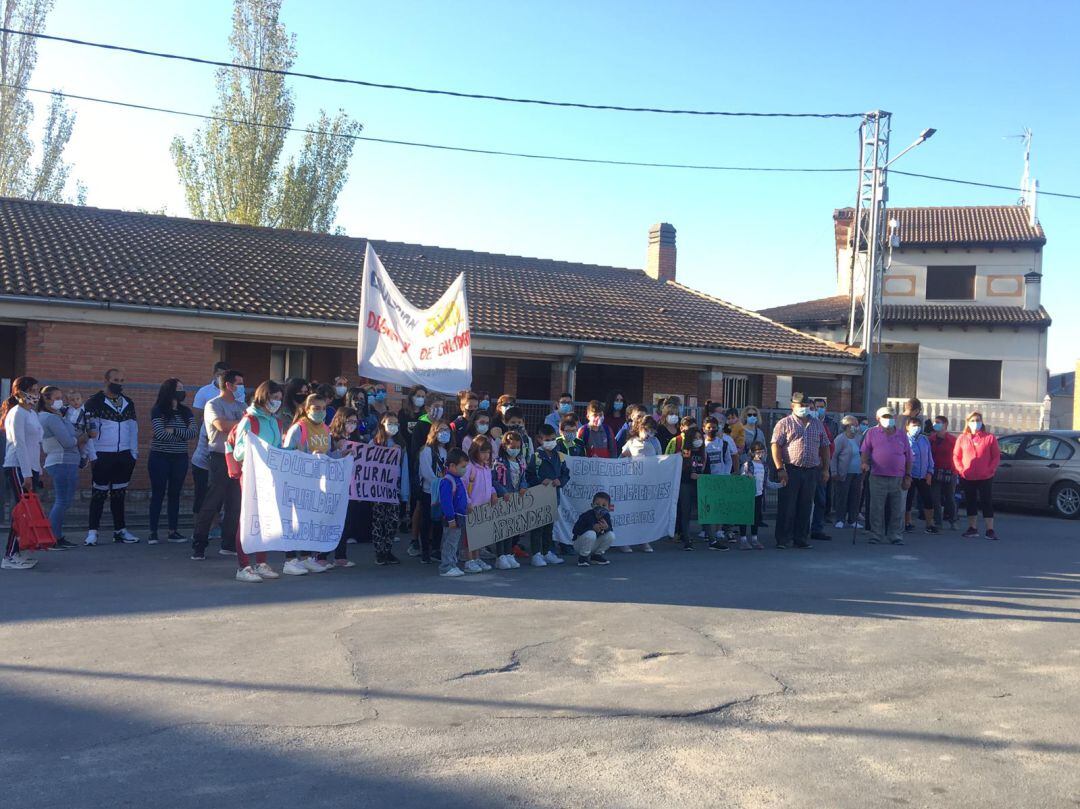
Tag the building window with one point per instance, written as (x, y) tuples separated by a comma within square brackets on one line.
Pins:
[(975, 379), (950, 283), (736, 391), (288, 361)]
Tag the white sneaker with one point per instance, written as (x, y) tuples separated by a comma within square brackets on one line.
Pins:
[(473, 566), (538, 560), (839, 524), (266, 572), (294, 567), (552, 559), (484, 566), (703, 534), (514, 563), (502, 563), (314, 565), (248, 574), (647, 547), (414, 548), (125, 536), (453, 573), (626, 549), (860, 525), (17, 563), (223, 552), (91, 537)]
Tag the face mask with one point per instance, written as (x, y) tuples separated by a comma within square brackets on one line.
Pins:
[(482, 428), (698, 443), (618, 406), (821, 411), (759, 457), (435, 413), (566, 408), (485, 404), (938, 427), (341, 390), (801, 412), (391, 429), (299, 398), (180, 396), (672, 419), (513, 453), (350, 427), (317, 416), (813, 414), (913, 430), (419, 400), (863, 428), (32, 400), (444, 437), (549, 445), (274, 405), (650, 434), (751, 420), (372, 398), (115, 388), (460, 471), (975, 426), (568, 437), (850, 429), (888, 423), (57, 404), (240, 393), (380, 396)]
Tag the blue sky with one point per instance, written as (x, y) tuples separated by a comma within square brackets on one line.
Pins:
[(977, 71)]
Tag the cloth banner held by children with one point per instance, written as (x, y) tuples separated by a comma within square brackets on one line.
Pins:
[(644, 495), (401, 344), (725, 500), (533, 508), (292, 501), (376, 472)]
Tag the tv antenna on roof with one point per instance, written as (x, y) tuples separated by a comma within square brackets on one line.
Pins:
[(1027, 187)]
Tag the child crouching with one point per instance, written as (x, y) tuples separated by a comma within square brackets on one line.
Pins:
[(593, 533)]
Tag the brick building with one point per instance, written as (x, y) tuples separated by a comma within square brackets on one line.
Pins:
[(83, 289)]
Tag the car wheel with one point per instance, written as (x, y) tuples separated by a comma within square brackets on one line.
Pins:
[(1065, 500)]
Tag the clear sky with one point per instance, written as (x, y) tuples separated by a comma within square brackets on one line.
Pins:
[(976, 71)]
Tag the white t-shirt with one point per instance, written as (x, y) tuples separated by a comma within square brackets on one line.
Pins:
[(720, 451)]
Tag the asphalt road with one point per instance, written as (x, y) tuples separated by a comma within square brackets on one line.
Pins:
[(943, 673)]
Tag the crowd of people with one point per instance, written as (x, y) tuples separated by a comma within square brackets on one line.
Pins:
[(874, 477)]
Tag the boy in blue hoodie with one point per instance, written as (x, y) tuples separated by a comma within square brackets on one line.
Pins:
[(454, 501), (546, 467), (594, 532)]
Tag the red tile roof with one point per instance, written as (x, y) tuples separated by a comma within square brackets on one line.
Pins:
[(958, 226), (80, 253), (834, 311)]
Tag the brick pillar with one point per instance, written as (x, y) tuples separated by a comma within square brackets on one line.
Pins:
[(768, 390), (509, 382), (711, 385)]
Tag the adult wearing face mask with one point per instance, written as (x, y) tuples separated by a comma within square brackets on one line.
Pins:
[(341, 390), (800, 453), (61, 443), (296, 392), (943, 485), (200, 458), (976, 457), (752, 431), (886, 456), (560, 409), (220, 415), (667, 425), (115, 434), (615, 417), (173, 426), (847, 473), (22, 457)]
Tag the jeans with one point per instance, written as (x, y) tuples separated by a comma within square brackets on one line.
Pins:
[(943, 496), (794, 505), (451, 543), (222, 490), (65, 477), (817, 517), (887, 506), (589, 544), (168, 471), (201, 478), (848, 496)]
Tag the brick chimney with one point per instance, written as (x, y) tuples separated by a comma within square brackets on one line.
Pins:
[(660, 260), (1032, 298)]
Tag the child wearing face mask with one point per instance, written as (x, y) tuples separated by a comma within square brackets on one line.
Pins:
[(755, 468), (642, 442), (546, 468), (594, 532), (384, 516), (568, 442), (598, 438), (309, 433), (634, 414), (480, 486), (514, 419), (722, 451), (509, 477), (480, 425), (454, 506), (343, 431), (468, 403), (431, 411), (922, 473), (432, 467), (733, 426), (695, 463)]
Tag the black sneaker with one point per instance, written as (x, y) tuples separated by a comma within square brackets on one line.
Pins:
[(583, 561), (909, 529), (688, 546), (390, 559), (63, 543), (896, 542), (198, 556), (176, 536), (719, 545), (782, 546), (380, 558), (820, 536), (599, 559), (425, 559), (804, 546), (932, 529), (763, 524)]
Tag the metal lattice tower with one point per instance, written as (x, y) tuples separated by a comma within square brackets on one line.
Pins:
[(869, 231)]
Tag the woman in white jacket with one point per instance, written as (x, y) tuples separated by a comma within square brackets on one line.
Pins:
[(22, 458)]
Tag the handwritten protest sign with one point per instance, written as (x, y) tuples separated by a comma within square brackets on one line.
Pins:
[(725, 499), (520, 514), (644, 493), (292, 501), (376, 473)]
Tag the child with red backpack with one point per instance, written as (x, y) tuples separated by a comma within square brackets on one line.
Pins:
[(309, 433)]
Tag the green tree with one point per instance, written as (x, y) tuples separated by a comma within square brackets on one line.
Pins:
[(230, 168), (18, 55)]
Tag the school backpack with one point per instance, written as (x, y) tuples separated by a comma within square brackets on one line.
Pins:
[(235, 467)]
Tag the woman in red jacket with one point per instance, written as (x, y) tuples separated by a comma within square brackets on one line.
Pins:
[(976, 458)]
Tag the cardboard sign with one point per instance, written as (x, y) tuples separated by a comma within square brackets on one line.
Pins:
[(725, 499), (505, 519), (376, 473)]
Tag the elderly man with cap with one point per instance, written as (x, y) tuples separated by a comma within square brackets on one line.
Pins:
[(886, 455), (800, 451)]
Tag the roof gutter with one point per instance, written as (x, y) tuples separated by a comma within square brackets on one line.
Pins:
[(171, 310)]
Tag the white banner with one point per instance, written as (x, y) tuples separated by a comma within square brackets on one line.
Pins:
[(644, 496), (403, 345), (292, 501)]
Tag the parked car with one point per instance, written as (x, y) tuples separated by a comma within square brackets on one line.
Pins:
[(1039, 470)]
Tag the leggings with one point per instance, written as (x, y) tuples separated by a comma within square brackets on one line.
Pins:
[(168, 471), (920, 487), (384, 525), (978, 493)]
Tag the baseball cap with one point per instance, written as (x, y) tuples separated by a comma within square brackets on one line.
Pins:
[(799, 398), (885, 411)]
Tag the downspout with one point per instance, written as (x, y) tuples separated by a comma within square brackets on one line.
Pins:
[(571, 370)]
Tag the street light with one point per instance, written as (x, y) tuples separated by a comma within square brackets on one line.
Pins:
[(924, 136)]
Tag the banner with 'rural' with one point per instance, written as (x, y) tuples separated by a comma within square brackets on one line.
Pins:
[(292, 501), (403, 345), (376, 472)]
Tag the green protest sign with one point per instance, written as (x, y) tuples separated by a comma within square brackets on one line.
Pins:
[(725, 500)]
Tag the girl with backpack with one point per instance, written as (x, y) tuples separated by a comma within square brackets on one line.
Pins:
[(309, 433), (509, 477), (480, 487), (343, 429), (431, 465), (695, 463), (259, 419), (384, 516)]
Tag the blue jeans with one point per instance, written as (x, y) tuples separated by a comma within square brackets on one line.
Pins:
[(65, 478), (168, 471)]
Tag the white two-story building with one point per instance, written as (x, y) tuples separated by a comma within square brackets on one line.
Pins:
[(963, 322)]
